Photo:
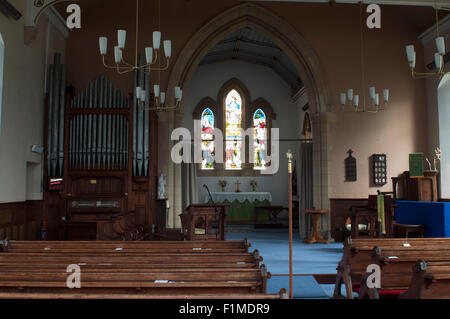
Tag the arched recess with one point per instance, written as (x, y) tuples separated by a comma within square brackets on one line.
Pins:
[(253, 16)]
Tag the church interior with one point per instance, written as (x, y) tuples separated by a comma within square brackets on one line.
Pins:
[(227, 149)]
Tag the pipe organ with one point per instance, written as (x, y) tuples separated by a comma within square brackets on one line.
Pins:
[(101, 156)]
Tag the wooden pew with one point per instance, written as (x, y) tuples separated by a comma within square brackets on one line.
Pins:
[(129, 247), (430, 280), (358, 254), (154, 281), (137, 269), (282, 294), (396, 265)]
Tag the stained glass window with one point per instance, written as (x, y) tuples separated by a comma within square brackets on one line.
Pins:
[(207, 139), (233, 125), (260, 139)]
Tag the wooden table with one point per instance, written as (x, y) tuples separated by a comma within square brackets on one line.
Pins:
[(273, 210), (315, 214), (204, 214)]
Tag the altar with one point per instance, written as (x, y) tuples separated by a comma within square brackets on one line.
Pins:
[(242, 204)]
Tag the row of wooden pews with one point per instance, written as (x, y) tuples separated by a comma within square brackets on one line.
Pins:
[(410, 268), (137, 270)]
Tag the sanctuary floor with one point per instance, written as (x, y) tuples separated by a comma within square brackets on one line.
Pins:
[(273, 245)]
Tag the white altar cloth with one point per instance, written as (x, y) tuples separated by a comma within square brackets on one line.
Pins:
[(220, 197)]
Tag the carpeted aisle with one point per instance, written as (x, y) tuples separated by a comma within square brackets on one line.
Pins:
[(307, 259)]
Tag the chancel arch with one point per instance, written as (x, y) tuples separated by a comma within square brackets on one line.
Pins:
[(294, 46)]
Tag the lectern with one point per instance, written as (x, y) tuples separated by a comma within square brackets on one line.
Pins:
[(197, 221)]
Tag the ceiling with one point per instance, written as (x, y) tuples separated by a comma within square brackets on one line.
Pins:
[(250, 46)]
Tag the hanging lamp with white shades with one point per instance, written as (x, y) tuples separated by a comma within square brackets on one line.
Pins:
[(438, 56), (438, 60), (351, 101), (152, 56)]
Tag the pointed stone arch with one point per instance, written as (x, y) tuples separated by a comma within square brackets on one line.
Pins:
[(253, 16)]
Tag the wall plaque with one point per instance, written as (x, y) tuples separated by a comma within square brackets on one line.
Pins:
[(350, 168)]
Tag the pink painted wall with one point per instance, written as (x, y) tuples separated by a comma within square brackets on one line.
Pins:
[(333, 32)]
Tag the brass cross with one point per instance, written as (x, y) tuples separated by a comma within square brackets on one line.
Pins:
[(237, 186)]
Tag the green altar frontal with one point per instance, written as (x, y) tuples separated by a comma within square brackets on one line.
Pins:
[(242, 205)]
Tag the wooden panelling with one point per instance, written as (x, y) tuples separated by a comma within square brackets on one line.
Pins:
[(339, 212), (100, 186), (20, 221)]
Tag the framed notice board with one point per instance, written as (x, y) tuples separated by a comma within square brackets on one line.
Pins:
[(379, 169), (416, 165)]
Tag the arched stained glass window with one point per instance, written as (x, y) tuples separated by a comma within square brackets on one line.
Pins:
[(260, 139), (207, 139), (233, 125)]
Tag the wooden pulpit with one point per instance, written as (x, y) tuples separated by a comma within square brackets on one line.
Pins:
[(198, 218)]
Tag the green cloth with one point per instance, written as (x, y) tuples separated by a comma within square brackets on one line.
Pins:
[(380, 212), (245, 211)]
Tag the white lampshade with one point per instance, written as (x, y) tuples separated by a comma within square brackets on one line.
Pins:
[(377, 99), (343, 98), (181, 95), (409, 52), (156, 40), (356, 100), (372, 92), (138, 92), (178, 93), (438, 61), (103, 45), (143, 95), (350, 94), (386, 95), (168, 48), (117, 54), (163, 97), (440, 44), (156, 90), (121, 38), (149, 54)]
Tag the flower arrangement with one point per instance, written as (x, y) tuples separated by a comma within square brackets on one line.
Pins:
[(223, 184), (253, 185)]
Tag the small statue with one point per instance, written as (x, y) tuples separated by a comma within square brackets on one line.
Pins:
[(437, 157), (161, 186)]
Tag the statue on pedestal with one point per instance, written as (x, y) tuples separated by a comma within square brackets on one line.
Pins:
[(161, 186)]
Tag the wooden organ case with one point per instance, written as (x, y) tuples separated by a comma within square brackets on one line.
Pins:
[(101, 158)]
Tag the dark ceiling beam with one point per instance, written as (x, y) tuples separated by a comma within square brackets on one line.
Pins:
[(255, 42), (9, 10)]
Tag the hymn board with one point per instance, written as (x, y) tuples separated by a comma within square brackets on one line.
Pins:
[(100, 156)]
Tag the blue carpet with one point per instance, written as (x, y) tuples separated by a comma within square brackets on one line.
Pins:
[(307, 259), (303, 286)]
